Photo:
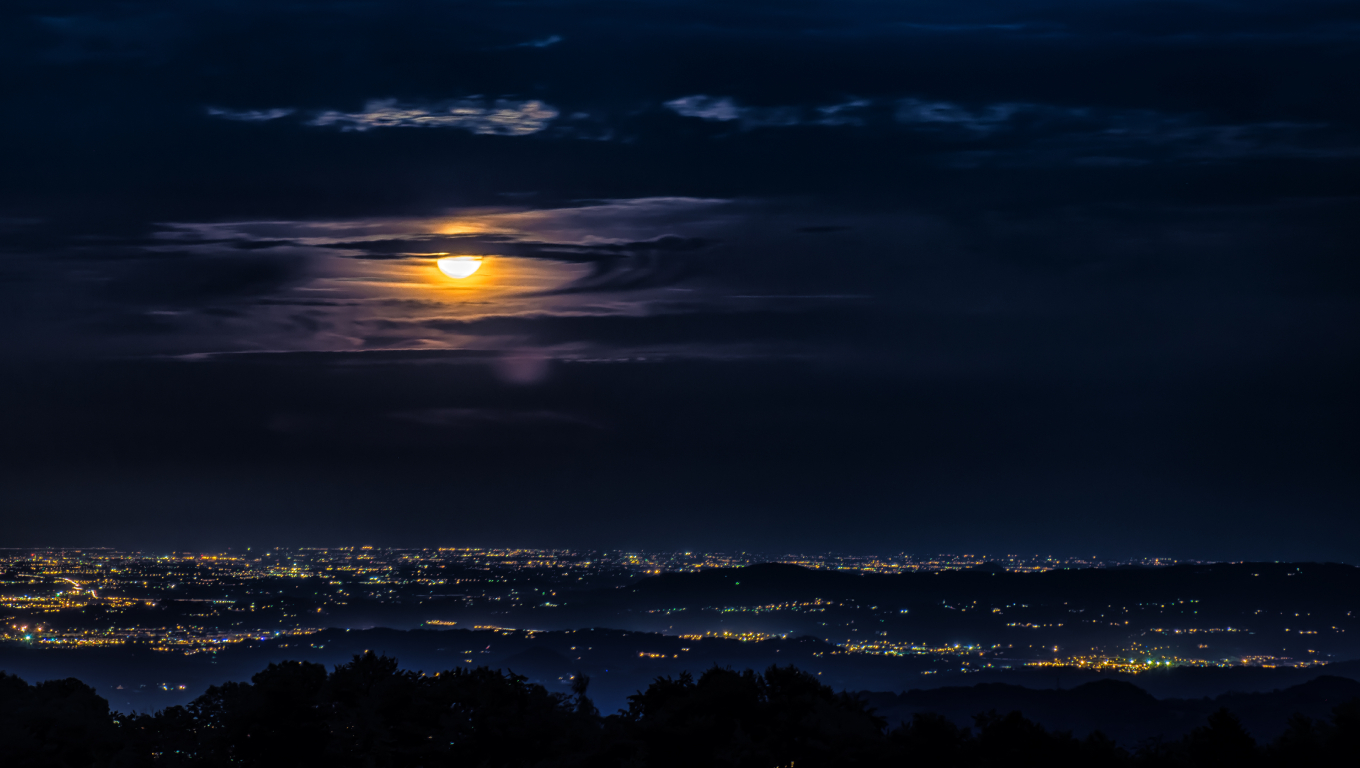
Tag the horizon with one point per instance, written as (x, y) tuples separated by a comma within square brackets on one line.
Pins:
[(960, 559), (829, 554)]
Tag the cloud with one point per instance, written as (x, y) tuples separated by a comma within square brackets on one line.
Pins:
[(726, 109), (748, 330), (1047, 134), (190, 279), (918, 112), (630, 266), (1017, 133), (251, 115), (503, 117), (839, 114), (544, 43), (605, 250), (705, 107)]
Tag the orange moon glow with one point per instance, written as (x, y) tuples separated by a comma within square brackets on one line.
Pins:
[(459, 267)]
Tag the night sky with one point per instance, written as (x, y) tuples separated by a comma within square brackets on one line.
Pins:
[(1068, 277)]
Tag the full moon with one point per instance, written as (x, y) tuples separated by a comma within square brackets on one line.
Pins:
[(459, 267)]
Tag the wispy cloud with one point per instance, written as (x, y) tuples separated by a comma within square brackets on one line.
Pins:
[(544, 43), (910, 111), (705, 107), (726, 109), (943, 113), (502, 117), (842, 114), (1045, 134), (250, 115)]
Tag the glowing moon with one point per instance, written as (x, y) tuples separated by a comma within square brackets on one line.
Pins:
[(459, 267)]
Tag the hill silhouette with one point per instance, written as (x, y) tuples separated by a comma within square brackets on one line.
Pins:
[(540, 665), (1118, 709), (370, 712)]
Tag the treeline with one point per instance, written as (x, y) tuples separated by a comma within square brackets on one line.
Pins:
[(370, 713)]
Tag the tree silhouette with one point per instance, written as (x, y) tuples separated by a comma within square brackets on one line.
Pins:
[(1222, 742), (369, 713), (54, 723)]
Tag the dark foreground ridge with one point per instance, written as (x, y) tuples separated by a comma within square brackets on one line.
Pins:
[(369, 712)]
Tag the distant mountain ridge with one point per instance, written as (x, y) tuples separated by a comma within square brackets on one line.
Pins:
[(786, 581), (1120, 710)]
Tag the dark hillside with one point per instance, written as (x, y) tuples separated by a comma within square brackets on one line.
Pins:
[(370, 712)]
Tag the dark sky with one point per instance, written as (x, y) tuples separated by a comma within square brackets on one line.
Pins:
[(1068, 277)]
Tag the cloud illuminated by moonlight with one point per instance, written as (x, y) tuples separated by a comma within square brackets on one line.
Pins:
[(503, 117)]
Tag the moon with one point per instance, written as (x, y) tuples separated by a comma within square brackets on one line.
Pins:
[(459, 267)]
